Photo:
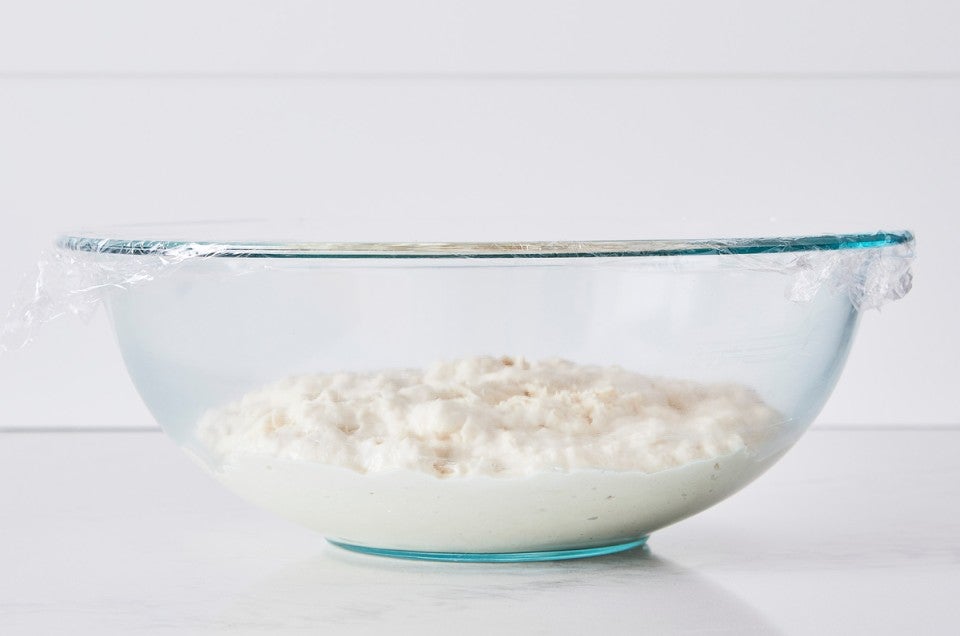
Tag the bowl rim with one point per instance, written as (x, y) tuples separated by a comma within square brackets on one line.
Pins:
[(105, 243)]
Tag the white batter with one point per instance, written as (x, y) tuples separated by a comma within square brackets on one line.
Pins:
[(488, 454)]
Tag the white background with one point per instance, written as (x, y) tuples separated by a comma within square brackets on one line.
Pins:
[(593, 119)]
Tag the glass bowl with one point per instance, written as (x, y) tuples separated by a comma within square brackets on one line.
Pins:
[(487, 401)]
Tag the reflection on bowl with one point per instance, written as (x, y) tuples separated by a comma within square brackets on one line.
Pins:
[(489, 401)]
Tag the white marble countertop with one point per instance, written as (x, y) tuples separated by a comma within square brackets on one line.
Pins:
[(855, 531)]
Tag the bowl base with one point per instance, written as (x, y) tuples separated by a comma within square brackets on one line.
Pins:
[(492, 557)]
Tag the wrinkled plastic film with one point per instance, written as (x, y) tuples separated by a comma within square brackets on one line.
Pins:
[(869, 277), (72, 282), (75, 282)]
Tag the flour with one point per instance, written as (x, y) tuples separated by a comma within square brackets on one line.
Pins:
[(488, 454)]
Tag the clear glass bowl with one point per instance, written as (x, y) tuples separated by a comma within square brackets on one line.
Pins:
[(488, 401)]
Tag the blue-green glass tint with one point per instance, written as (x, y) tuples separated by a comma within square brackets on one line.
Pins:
[(494, 557)]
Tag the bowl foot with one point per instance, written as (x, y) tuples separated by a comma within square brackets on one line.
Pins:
[(493, 557)]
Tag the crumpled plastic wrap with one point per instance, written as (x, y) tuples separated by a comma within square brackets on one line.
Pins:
[(870, 277), (72, 282), (75, 277)]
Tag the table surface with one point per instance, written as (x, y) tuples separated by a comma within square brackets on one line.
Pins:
[(854, 531)]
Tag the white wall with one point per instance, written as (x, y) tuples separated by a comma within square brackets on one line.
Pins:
[(612, 119), (507, 36)]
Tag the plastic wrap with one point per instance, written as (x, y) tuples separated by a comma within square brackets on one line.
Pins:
[(870, 276), (67, 281), (75, 277)]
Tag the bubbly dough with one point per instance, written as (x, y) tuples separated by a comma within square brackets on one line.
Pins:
[(489, 416)]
